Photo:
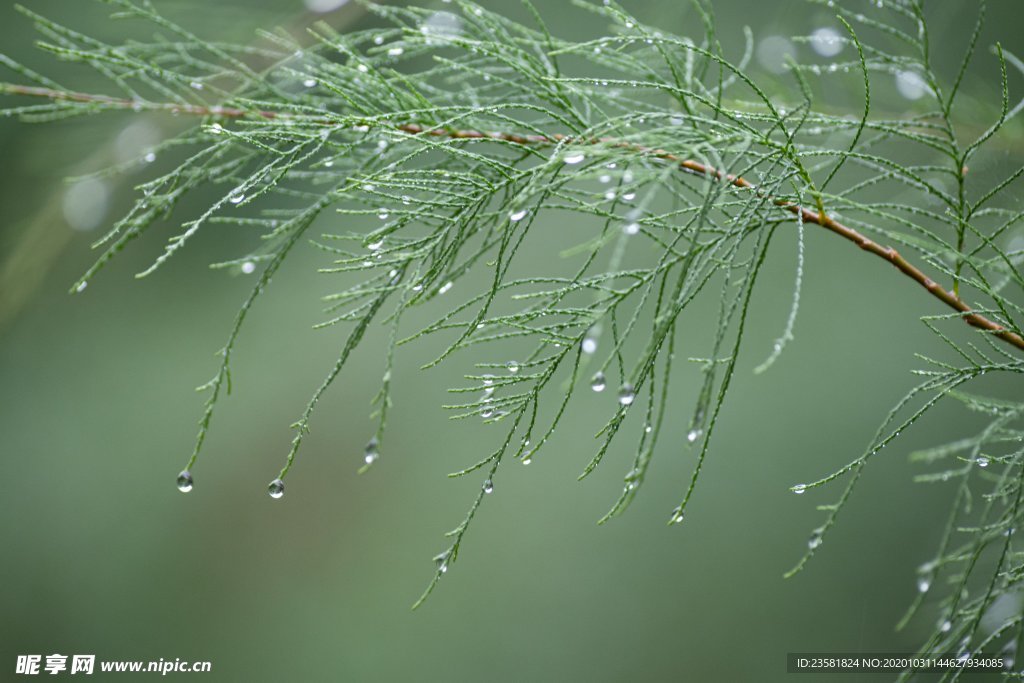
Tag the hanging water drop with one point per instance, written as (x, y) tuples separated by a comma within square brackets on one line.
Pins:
[(815, 540), (81, 287), (598, 382), (185, 481), (527, 461), (442, 562), (516, 216), (693, 435), (395, 51), (309, 83), (627, 394), (276, 489), (574, 157), (588, 345), (982, 461), (371, 452), (945, 626), (444, 288), (375, 246), (248, 267), (631, 228), (488, 486), (799, 488), (150, 157), (512, 366), (236, 198), (677, 515), (923, 584)]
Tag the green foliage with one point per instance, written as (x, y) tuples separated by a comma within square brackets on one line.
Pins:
[(456, 134)]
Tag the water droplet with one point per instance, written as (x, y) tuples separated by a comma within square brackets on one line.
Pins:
[(693, 435), (395, 51), (185, 481), (382, 214), (923, 584), (598, 382), (406, 199), (248, 267), (85, 204), (309, 83), (574, 157), (774, 53), (237, 198), (677, 515), (487, 413), (799, 488), (362, 68), (512, 366), (911, 85), (629, 196), (442, 561), (276, 489), (627, 394), (605, 178), (216, 129), (441, 27), (945, 626), (982, 461), (588, 345), (81, 287), (371, 452), (609, 195), (815, 540), (826, 41), (196, 85), (150, 157), (375, 246), (516, 216), (378, 40), (527, 461), (631, 228), (648, 429), (488, 486), (444, 288), (322, 7)]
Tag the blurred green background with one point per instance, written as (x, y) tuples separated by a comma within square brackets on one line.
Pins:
[(97, 415)]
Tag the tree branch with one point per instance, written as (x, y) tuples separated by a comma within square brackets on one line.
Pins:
[(947, 297)]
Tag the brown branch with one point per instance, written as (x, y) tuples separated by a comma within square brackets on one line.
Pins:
[(889, 254)]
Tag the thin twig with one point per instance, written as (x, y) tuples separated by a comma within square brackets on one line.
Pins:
[(889, 254)]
